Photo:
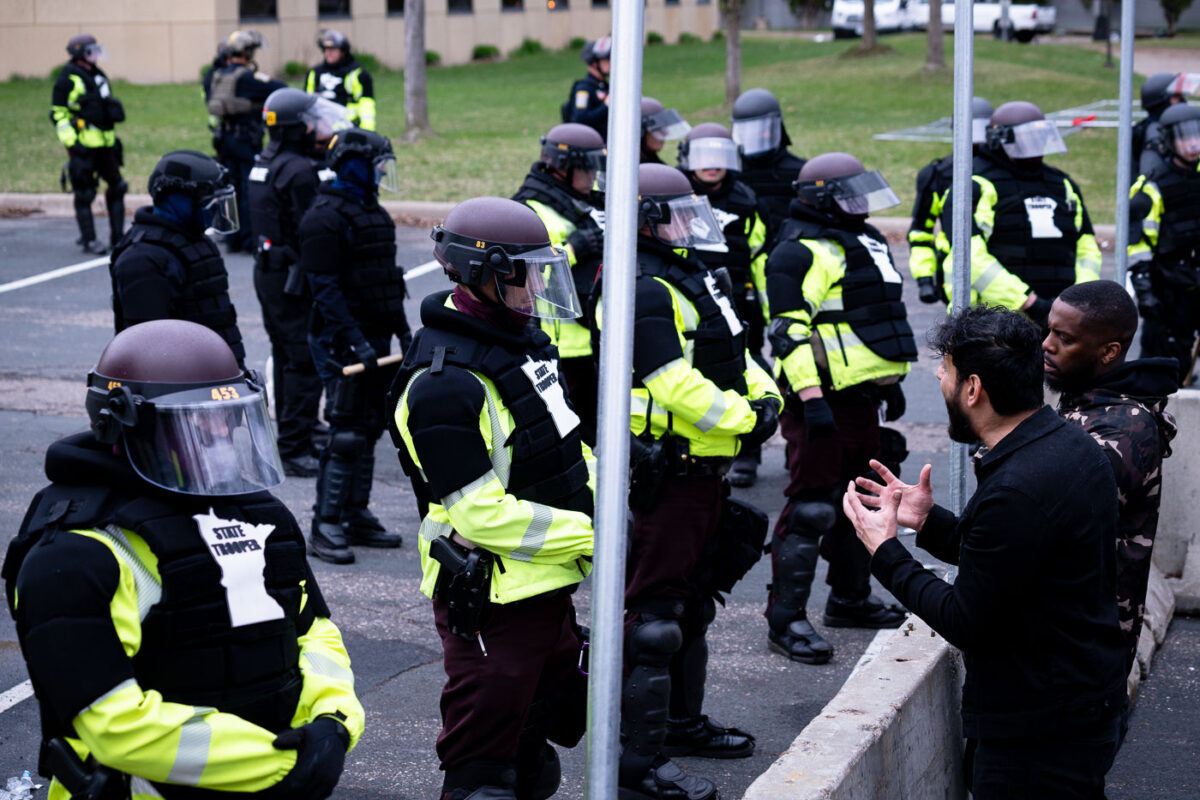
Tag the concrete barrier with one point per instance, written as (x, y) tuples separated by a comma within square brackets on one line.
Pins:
[(1176, 551), (892, 731)]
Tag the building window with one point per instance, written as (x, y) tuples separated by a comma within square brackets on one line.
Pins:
[(333, 8), (672, 2), (599, 3), (703, 2), (558, 5), (395, 8), (257, 9), (459, 7), (512, 5)]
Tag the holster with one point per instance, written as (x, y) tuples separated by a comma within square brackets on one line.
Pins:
[(1179, 273), (464, 583), (84, 780), (741, 533), (648, 467)]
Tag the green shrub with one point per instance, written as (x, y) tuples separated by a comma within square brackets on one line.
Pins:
[(294, 70), (54, 73), (485, 52), (718, 36), (529, 47), (689, 38), (576, 43), (432, 58), (369, 62), (654, 38)]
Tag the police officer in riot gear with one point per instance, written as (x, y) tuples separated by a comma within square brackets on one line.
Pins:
[(177, 641), (588, 102), (283, 184), (693, 410), (340, 78), (1032, 236), (659, 126), (348, 253), (712, 161), (1159, 92), (84, 111), (927, 247), (206, 79), (842, 343), (559, 188), (485, 431), (165, 266), (768, 167), (237, 93), (1164, 249)]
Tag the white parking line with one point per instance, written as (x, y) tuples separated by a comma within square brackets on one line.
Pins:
[(52, 274), (15, 695), (423, 269)]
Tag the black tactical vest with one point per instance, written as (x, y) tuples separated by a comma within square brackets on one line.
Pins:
[(1179, 228), (547, 468), (343, 68), (740, 202), (770, 176), (190, 652), (93, 107), (223, 100), (204, 296), (872, 307), (716, 352), (1046, 264), (371, 282)]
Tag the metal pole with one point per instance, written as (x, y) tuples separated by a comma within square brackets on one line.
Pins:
[(1124, 142), (960, 193), (616, 373)]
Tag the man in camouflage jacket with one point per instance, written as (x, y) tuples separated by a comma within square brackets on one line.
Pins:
[(1122, 405)]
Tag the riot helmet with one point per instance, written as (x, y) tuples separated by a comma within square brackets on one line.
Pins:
[(838, 183), (571, 147), (709, 146), (595, 51), (500, 243), (244, 44), (1158, 90), (329, 39), (204, 184), (84, 47), (189, 420), (294, 115), (758, 123), (1022, 131), (369, 147), (663, 124), (981, 114), (1181, 131), (677, 216)]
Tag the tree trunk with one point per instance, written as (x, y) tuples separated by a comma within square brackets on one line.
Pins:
[(416, 106), (869, 38), (733, 50), (935, 51)]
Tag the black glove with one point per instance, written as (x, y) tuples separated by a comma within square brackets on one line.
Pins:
[(818, 419), (893, 395), (1039, 312), (767, 413), (320, 756), (926, 290), (364, 353), (588, 243), (1148, 305)]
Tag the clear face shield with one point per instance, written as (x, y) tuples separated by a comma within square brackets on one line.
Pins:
[(711, 154), (1185, 139), (979, 128), (387, 176), (758, 134), (689, 222), (214, 440), (325, 118), (666, 125), (1031, 139), (95, 53), (219, 211)]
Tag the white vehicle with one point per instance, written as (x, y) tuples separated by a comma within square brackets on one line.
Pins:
[(1027, 17), (890, 16)]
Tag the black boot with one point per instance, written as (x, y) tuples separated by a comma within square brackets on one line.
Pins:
[(867, 612), (114, 202), (481, 779), (705, 738), (799, 641), (665, 780), (794, 563), (362, 527), (328, 540)]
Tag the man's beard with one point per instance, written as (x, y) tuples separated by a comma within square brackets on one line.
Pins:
[(959, 427), (1067, 384)]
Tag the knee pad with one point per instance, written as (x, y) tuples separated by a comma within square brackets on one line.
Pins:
[(117, 191), (811, 519), (653, 642), (347, 444), (84, 195)]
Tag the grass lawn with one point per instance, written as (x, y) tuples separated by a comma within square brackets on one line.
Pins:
[(489, 116)]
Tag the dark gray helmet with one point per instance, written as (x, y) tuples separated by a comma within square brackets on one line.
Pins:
[(755, 103), (189, 172), (838, 182), (244, 43), (665, 123), (285, 107), (573, 146), (709, 145), (981, 108), (329, 39), (758, 123), (1181, 131), (596, 50), (77, 45), (1158, 90), (365, 144)]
